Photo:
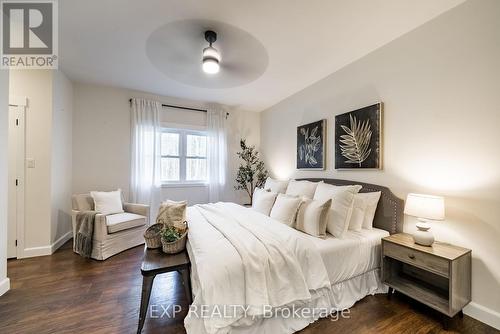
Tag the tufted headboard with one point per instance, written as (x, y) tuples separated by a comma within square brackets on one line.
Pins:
[(389, 214)]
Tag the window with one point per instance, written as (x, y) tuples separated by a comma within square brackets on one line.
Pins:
[(183, 156)]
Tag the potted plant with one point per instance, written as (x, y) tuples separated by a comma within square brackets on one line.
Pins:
[(173, 239), (251, 173)]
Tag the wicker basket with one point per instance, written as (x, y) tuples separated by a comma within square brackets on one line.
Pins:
[(152, 236), (176, 246)]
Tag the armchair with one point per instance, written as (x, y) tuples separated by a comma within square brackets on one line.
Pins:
[(113, 233)]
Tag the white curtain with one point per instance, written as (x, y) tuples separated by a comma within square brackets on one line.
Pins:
[(145, 164), (217, 152)]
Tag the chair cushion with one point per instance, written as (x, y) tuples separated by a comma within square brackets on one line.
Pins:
[(123, 221)]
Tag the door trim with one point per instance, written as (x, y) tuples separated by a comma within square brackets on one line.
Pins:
[(21, 103)]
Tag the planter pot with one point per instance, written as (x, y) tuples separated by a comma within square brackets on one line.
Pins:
[(176, 246), (152, 236)]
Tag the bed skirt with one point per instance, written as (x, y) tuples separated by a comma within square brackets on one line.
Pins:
[(342, 295)]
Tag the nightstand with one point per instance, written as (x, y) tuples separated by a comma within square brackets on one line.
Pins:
[(438, 276)]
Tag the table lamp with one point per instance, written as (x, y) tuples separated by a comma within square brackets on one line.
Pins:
[(425, 208)]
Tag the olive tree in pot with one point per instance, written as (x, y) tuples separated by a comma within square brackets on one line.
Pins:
[(251, 173)]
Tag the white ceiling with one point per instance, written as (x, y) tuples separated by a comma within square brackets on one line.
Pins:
[(105, 41)]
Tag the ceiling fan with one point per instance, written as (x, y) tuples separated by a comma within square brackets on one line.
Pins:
[(207, 54)]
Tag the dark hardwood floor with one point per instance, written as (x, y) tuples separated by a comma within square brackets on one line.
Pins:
[(65, 293)]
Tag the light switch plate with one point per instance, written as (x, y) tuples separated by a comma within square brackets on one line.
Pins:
[(30, 163)]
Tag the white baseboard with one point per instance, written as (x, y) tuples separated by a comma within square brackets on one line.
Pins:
[(4, 285), (61, 241), (47, 250), (483, 314), (37, 251)]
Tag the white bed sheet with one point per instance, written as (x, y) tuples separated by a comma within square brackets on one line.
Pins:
[(352, 266), (355, 254)]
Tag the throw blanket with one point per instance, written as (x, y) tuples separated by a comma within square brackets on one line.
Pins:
[(84, 232), (251, 263)]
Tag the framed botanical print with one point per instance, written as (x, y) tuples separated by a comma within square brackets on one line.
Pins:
[(311, 141), (358, 138)]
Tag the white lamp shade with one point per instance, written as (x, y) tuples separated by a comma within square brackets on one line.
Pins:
[(425, 206)]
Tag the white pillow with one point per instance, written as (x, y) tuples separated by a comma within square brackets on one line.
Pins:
[(276, 186), (263, 201), (341, 209), (107, 202), (312, 217), (302, 188), (371, 200), (358, 213), (285, 209)]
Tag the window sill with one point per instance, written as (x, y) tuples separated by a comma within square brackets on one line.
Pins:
[(184, 185)]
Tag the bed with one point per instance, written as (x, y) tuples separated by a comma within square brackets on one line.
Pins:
[(252, 274)]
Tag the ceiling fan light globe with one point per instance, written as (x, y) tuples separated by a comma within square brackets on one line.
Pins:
[(210, 66)]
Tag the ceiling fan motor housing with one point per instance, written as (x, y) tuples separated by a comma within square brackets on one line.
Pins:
[(210, 36)]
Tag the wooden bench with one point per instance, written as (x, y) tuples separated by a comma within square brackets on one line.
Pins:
[(156, 262)]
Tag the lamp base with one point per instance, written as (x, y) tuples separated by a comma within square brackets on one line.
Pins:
[(423, 236)]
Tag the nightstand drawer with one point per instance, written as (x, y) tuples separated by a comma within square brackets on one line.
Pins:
[(416, 258)]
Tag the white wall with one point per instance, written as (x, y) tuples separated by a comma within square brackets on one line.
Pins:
[(440, 85), (48, 142), (101, 140), (244, 125), (62, 159), (4, 113), (36, 85)]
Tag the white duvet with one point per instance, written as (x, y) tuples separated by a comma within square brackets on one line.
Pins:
[(248, 263)]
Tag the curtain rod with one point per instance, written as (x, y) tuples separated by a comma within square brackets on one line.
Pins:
[(179, 107), (184, 108)]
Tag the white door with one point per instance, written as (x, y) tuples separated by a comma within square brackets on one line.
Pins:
[(15, 228)]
